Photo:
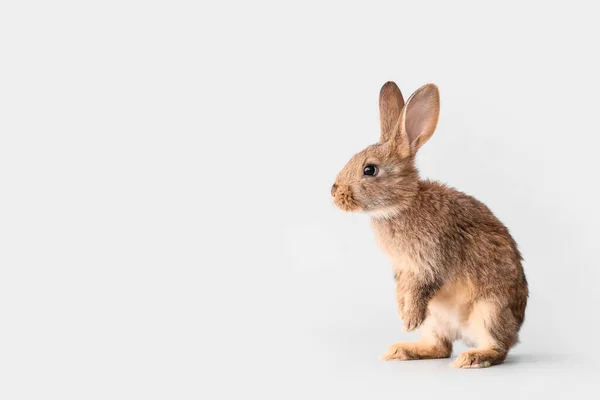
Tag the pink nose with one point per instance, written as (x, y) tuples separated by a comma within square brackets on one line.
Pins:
[(333, 189)]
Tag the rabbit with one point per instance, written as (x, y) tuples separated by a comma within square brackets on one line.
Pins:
[(458, 271)]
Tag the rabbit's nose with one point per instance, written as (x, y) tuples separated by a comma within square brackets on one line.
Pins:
[(333, 189)]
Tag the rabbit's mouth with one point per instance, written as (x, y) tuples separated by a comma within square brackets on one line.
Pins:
[(343, 199)]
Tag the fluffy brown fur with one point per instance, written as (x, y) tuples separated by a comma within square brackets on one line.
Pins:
[(458, 271)]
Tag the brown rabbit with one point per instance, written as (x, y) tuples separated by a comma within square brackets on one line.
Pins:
[(458, 271)]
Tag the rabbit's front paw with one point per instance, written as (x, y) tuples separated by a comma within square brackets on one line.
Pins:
[(401, 307), (413, 317)]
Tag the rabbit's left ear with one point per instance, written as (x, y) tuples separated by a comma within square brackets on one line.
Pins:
[(390, 107), (418, 119)]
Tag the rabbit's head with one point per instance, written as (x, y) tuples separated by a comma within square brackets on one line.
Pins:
[(382, 179)]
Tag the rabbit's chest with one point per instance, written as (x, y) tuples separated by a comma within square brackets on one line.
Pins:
[(398, 252), (402, 262)]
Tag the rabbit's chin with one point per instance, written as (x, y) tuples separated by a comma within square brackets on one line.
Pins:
[(347, 204), (350, 209)]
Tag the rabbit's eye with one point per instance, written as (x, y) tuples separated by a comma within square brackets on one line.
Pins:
[(370, 170)]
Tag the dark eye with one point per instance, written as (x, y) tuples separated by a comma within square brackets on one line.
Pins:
[(370, 170)]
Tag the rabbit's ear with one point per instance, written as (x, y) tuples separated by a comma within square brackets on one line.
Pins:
[(418, 118), (390, 107)]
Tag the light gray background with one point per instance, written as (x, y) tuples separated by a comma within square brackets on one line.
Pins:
[(166, 229)]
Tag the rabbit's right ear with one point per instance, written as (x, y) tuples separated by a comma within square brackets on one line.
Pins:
[(391, 103), (418, 119)]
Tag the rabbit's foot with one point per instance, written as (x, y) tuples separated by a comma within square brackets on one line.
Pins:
[(416, 351), (479, 358)]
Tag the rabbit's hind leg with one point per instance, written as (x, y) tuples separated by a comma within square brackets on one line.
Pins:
[(493, 330), (432, 345), (417, 351), (479, 358)]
